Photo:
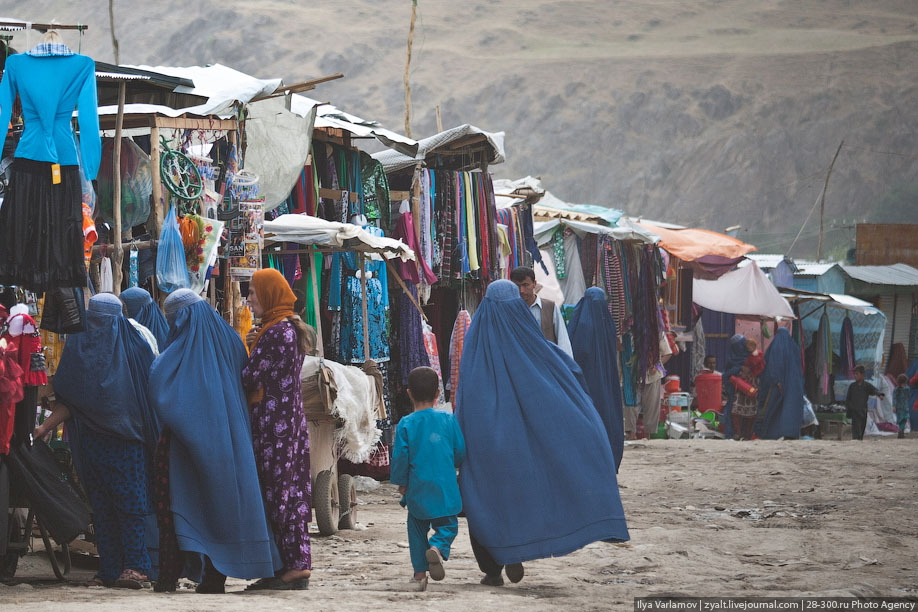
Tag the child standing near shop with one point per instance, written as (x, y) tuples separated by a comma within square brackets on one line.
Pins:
[(856, 402), (427, 450), (900, 401)]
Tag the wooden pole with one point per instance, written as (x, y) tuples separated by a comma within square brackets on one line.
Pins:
[(117, 270), (822, 206), (363, 306), (158, 212), (313, 279), (439, 121), (414, 11), (111, 24), (401, 284)]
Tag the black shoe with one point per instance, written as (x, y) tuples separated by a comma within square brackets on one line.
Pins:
[(276, 584), (494, 581), (165, 586), (210, 589), (514, 572)]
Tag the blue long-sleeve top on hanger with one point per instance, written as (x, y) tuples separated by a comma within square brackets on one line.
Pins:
[(50, 87)]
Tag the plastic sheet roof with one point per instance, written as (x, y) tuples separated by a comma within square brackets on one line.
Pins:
[(306, 230), (690, 244), (626, 230), (393, 160), (899, 274), (744, 291)]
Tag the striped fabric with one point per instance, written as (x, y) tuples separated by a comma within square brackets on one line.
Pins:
[(456, 342)]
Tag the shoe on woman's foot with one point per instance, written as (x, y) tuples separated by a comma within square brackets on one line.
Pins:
[(435, 563), (419, 584), (514, 572), (493, 581), (165, 586), (131, 579)]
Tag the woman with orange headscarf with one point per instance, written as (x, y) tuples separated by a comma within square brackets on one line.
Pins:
[(280, 434)]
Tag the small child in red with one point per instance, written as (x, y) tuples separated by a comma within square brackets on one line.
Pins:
[(755, 361), (746, 405)]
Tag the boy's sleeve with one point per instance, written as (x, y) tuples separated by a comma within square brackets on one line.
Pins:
[(848, 401), (458, 444), (871, 390), (398, 471)]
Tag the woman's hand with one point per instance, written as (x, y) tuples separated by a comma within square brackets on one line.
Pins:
[(250, 337)]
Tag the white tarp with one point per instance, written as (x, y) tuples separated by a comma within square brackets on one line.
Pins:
[(328, 116), (222, 86), (306, 230), (505, 187), (744, 291), (544, 230), (278, 144), (393, 160)]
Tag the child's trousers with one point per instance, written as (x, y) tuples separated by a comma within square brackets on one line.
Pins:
[(445, 530)]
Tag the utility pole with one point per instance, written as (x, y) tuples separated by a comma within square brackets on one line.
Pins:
[(822, 205), (414, 11), (439, 121), (111, 25)]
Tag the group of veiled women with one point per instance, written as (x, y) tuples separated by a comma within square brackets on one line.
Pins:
[(193, 450)]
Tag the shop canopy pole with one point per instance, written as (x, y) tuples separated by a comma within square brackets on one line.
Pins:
[(116, 203), (401, 284), (363, 306), (157, 214), (320, 345)]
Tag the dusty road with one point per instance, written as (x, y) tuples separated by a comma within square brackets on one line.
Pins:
[(706, 518)]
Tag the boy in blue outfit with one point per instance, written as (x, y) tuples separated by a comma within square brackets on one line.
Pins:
[(427, 450)]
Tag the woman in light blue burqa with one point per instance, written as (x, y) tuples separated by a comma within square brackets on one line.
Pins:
[(214, 501), (539, 478)]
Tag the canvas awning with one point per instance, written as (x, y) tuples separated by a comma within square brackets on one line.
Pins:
[(306, 230), (448, 142), (543, 230), (744, 291), (690, 244)]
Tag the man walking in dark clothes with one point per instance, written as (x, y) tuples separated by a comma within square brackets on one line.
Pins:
[(856, 402)]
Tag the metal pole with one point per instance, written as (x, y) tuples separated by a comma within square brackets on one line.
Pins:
[(116, 200)]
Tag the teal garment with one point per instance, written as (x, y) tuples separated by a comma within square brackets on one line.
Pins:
[(900, 402), (428, 448), (50, 87)]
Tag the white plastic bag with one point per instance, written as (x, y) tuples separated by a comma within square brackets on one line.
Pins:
[(106, 277)]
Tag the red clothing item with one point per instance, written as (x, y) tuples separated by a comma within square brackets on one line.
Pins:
[(11, 392), (756, 363)]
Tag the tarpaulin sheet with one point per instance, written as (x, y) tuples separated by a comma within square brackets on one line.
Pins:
[(744, 291), (690, 244)]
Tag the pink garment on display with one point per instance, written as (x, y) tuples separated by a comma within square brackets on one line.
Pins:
[(408, 270), (456, 342)]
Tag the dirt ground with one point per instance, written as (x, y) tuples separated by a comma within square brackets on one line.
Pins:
[(707, 518)]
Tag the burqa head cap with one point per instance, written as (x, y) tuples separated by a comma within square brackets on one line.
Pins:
[(106, 303), (179, 299), (502, 291), (135, 298)]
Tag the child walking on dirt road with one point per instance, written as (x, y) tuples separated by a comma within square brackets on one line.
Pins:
[(428, 448)]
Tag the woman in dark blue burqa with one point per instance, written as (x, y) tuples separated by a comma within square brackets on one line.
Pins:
[(213, 498), (738, 355), (595, 343), (102, 382), (142, 308), (780, 395), (539, 480)]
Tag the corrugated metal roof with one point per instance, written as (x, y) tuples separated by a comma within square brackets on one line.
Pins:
[(766, 261), (117, 76), (812, 268), (896, 274)]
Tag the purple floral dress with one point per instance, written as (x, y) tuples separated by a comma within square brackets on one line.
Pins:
[(280, 436)]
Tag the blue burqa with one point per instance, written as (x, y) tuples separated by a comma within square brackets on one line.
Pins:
[(196, 389), (738, 355), (143, 309), (780, 412), (595, 343), (539, 477)]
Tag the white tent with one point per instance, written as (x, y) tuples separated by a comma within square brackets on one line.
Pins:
[(744, 291)]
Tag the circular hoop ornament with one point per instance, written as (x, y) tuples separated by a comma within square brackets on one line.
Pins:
[(180, 175)]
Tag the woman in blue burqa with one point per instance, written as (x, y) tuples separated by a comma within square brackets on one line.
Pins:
[(101, 382), (738, 355), (539, 480), (207, 492), (595, 343), (142, 308), (780, 413)]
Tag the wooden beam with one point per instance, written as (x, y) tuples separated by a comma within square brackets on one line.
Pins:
[(118, 264), (335, 194), (189, 123), (44, 27), (300, 87), (404, 287), (398, 196)]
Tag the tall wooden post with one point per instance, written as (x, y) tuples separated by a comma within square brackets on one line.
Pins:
[(158, 214), (117, 271), (363, 305)]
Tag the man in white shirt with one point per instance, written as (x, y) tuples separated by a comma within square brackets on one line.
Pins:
[(547, 314), (649, 396)]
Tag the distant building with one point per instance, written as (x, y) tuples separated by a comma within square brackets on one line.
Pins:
[(880, 244)]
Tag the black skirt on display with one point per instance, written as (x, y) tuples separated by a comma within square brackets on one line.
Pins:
[(41, 228)]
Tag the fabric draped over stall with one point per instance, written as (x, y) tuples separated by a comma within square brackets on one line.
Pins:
[(537, 449)]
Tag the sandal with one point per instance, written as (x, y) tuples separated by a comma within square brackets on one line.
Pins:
[(95, 581), (131, 579), (276, 584)]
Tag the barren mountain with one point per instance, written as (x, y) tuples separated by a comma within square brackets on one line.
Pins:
[(705, 112)]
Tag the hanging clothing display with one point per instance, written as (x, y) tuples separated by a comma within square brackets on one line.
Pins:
[(375, 190), (41, 223), (456, 342), (345, 295)]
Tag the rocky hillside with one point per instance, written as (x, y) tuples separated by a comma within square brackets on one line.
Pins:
[(705, 112)]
